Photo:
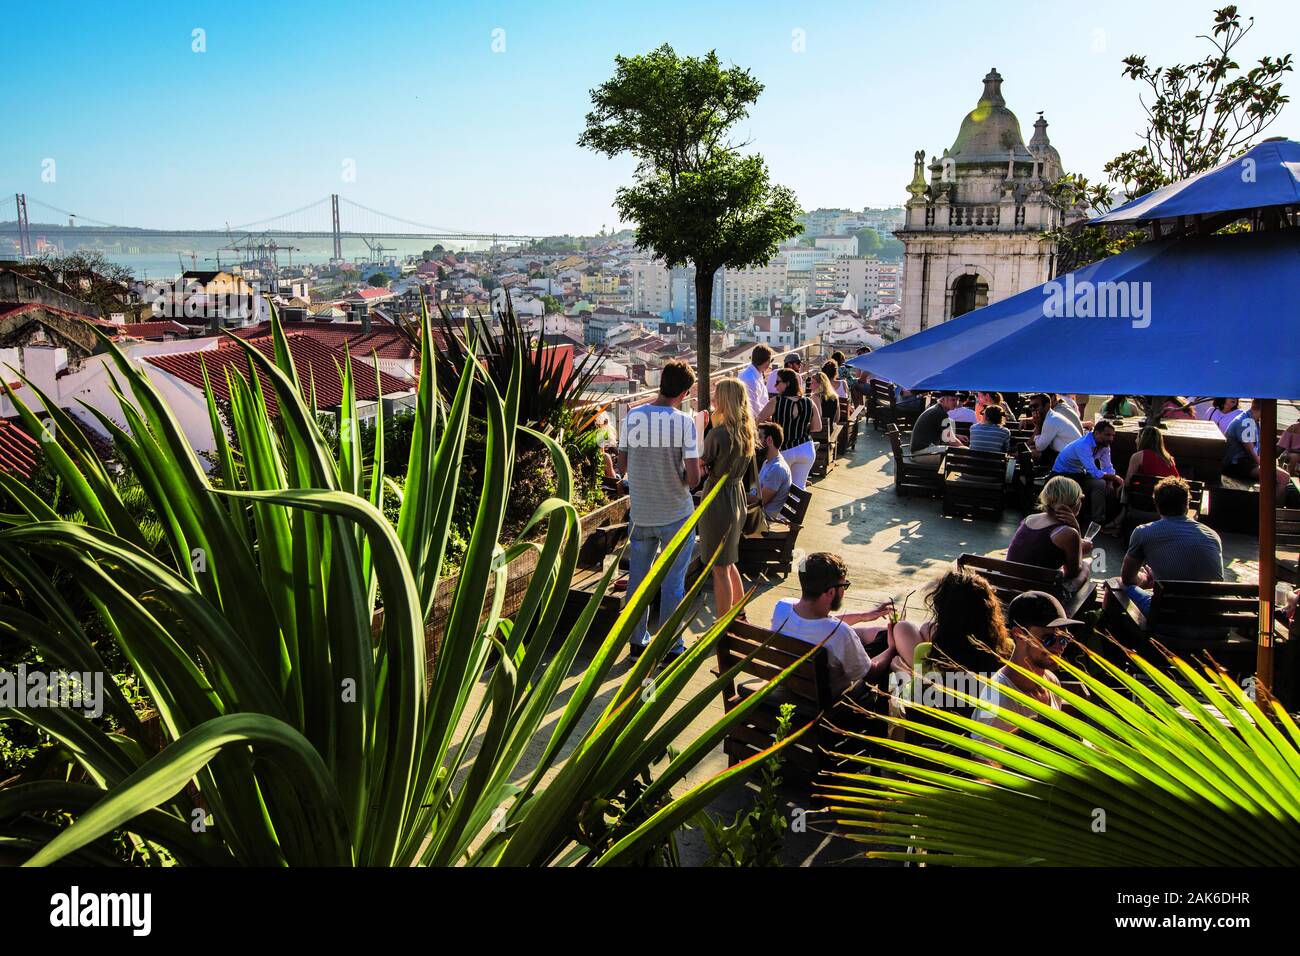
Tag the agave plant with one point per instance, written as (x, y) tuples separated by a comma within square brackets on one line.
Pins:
[(299, 726), (547, 387), (1173, 766)]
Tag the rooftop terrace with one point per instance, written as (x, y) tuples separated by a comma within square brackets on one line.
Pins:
[(892, 546)]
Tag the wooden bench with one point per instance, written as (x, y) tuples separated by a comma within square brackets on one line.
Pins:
[(1029, 479), (808, 688), (1233, 505), (974, 483), (827, 441), (1190, 618), (910, 479), (598, 545), (1010, 578), (1287, 544), (772, 550), (1139, 498), (850, 415), (884, 407)]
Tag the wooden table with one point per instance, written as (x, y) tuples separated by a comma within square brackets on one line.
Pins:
[(1198, 447)]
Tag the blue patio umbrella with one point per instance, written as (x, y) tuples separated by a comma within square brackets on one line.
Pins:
[(1267, 175), (1218, 315), (1215, 315)]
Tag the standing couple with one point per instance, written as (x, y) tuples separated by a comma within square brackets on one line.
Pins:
[(663, 459)]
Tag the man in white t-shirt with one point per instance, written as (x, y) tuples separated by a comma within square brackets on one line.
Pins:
[(823, 579), (754, 377), (659, 455)]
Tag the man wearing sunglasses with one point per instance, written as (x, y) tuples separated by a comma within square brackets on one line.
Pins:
[(853, 651), (1041, 630)]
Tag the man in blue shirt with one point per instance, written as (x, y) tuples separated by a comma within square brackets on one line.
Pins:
[(1087, 461), (1241, 456)]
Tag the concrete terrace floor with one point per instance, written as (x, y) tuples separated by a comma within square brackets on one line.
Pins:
[(892, 546)]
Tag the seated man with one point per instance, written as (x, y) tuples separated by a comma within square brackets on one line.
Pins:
[(823, 579), (990, 435), (1087, 461), (1241, 459), (774, 478), (1174, 548), (965, 410), (928, 443), (906, 402), (1039, 626), (1054, 428)]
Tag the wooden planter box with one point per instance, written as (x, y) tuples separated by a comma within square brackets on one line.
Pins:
[(520, 574)]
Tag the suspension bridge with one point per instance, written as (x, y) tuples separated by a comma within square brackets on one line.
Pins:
[(324, 219)]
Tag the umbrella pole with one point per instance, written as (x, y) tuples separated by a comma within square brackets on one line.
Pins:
[(1267, 524)]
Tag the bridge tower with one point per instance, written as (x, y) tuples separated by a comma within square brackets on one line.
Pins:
[(338, 236), (24, 227)]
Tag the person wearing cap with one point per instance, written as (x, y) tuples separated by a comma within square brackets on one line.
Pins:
[(1040, 628), (928, 444), (794, 362)]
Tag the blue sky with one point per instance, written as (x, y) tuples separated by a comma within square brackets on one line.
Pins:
[(441, 129)]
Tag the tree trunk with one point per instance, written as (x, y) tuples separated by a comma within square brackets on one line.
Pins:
[(703, 329)]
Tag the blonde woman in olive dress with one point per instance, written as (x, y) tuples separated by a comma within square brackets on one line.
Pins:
[(727, 455)]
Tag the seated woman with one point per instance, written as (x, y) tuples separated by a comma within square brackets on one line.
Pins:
[(1119, 406), (1050, 538), (1175, 407), (1224, 411), (984, 399), (831, 369), (966, 626), (1288, 446), (1151, 457), (821, 386)]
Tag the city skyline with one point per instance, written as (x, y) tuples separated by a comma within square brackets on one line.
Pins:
[(250, 118)]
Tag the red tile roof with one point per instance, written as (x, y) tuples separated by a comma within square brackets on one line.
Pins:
[(314, 362), (374, 293), (18, 450), (155, 330), (389, 342)]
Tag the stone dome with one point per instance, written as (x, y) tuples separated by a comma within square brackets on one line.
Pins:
[(990, 131)]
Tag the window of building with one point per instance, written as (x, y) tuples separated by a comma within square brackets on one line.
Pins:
[(969, 292)]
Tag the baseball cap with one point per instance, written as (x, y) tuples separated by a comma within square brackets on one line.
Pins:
[(794, 358), (1038, 609)]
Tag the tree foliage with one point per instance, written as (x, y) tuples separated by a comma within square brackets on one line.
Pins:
[(1198, 116), (696, 198)]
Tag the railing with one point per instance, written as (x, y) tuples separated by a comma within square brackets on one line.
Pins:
[(814, 354), (974, 217)]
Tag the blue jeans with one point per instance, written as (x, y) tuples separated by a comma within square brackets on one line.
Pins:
[(646, 542), (1139, 596)]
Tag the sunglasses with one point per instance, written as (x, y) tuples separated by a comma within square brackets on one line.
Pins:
[(1052, 641)]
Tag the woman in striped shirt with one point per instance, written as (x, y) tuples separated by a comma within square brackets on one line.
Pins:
[(798, 416)]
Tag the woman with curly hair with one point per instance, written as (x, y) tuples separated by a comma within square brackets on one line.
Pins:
[(966, 627)]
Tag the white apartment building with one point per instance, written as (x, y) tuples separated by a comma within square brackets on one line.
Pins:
[(838, 245), (741, 287), (651, 286)]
